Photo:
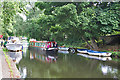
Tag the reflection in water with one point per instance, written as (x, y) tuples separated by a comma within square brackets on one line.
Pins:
[(39, 64), (109, 70), (44, 58), (16, 56), (43, 55), (95, 57), (23, 72), (25, 51)]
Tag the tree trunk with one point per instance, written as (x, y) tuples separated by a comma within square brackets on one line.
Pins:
[(94, 44), (87, 43)]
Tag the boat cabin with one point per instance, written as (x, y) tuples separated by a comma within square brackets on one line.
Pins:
[(43, 44)]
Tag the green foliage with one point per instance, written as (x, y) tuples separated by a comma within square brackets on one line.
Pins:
[(55, 28), (8, 12), (5, 49), (64, 22)]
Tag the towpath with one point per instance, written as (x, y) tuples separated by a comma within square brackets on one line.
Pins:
[(5, 71), (0, 64)]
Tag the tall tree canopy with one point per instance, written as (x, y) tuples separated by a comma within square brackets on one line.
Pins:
[(69, 22)]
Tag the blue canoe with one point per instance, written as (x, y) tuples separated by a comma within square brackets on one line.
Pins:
[(98, 53)]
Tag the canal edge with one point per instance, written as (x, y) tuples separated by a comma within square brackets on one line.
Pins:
[(8, 70), (0, 64)]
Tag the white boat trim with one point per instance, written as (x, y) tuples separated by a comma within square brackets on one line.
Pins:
[(63, 52), (63, 48), (82, 51)]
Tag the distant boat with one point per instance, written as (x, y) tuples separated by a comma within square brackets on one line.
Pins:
[(95, 57), (82, 50), (63, 48), (14, 44), (25, 42), (98, 53)]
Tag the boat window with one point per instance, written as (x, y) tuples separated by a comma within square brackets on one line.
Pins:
[(40, 44), (37, 44), (32, 43), (43, 44)]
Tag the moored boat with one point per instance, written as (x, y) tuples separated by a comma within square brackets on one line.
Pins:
[(25, 42), (98, 53), (82, 50), (14, 44), (44, 45)]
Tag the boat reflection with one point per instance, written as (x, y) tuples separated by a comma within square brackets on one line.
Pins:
[(16, 56), (25, 52), (23, 72), (43, 56), (109, 70), (95, 57)]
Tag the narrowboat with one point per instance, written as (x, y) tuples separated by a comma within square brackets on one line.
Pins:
[(98, 53), (48, 46)]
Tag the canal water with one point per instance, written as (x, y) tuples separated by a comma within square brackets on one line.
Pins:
[(34, 64)]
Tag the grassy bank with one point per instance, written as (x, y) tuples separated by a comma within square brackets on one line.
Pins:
[(115, 52), (5, 49)]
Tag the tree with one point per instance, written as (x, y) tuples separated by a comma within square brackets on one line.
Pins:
[(9, 10)]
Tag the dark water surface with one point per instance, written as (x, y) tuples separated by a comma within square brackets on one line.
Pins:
[(36, 64)]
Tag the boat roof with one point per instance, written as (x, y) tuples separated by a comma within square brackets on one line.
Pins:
[(42, 41)]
